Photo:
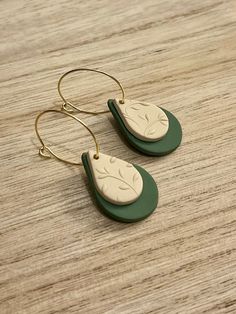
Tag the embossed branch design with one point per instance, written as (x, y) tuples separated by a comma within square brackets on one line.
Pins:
[(150, 123), (149, 130), (105, 173)]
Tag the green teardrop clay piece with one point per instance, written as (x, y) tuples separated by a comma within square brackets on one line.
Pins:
[(166, 145), (140, 209)]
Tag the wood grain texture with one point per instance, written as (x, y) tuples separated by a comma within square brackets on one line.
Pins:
[(58, 254)]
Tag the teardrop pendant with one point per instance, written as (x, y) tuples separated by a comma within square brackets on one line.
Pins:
[(124, 192), (118, 181), (150, 129), (146, 121)]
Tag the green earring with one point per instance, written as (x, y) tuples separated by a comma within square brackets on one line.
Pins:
[(123, 191), (150, 129)]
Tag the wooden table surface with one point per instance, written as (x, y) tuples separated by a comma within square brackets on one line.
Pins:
[(58, 254)]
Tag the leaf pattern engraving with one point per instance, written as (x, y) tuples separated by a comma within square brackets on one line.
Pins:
[(105, 169), (162, 119), (148, 122), (151, 128), (123, 187), (101, 171), (152, 131), (121, 173), (129, 165), (116, 180), (141, 117), (102, 176), (135, 177), (112, 159), (143, 104), (134, 108), (105, 173), (147, 117), (127, 117)]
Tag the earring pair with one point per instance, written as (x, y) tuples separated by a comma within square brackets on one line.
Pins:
[(124, 191)]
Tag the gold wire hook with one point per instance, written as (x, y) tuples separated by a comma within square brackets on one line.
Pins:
[(44, 148), (66, 103)]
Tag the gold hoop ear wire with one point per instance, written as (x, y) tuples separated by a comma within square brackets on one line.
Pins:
[(66, 103), (45, 148)]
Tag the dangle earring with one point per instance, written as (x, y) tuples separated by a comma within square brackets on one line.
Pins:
[(123, 191), (150, 129)]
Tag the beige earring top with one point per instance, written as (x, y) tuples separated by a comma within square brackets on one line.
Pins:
[(45, 148), (66, 102)]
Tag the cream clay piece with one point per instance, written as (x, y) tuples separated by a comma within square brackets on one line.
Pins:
[(116, 180), (145, 121)]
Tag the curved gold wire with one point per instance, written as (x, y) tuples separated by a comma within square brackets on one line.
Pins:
[(66, 103), (44, 148)]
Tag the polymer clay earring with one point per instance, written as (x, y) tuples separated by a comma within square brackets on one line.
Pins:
[(124, 191), (150, 129)]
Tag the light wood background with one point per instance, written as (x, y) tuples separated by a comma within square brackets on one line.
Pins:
[(58, 254)]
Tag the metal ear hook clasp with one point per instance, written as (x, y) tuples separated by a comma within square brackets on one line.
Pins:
[(64, 107), (42, 152), (50, 153)]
